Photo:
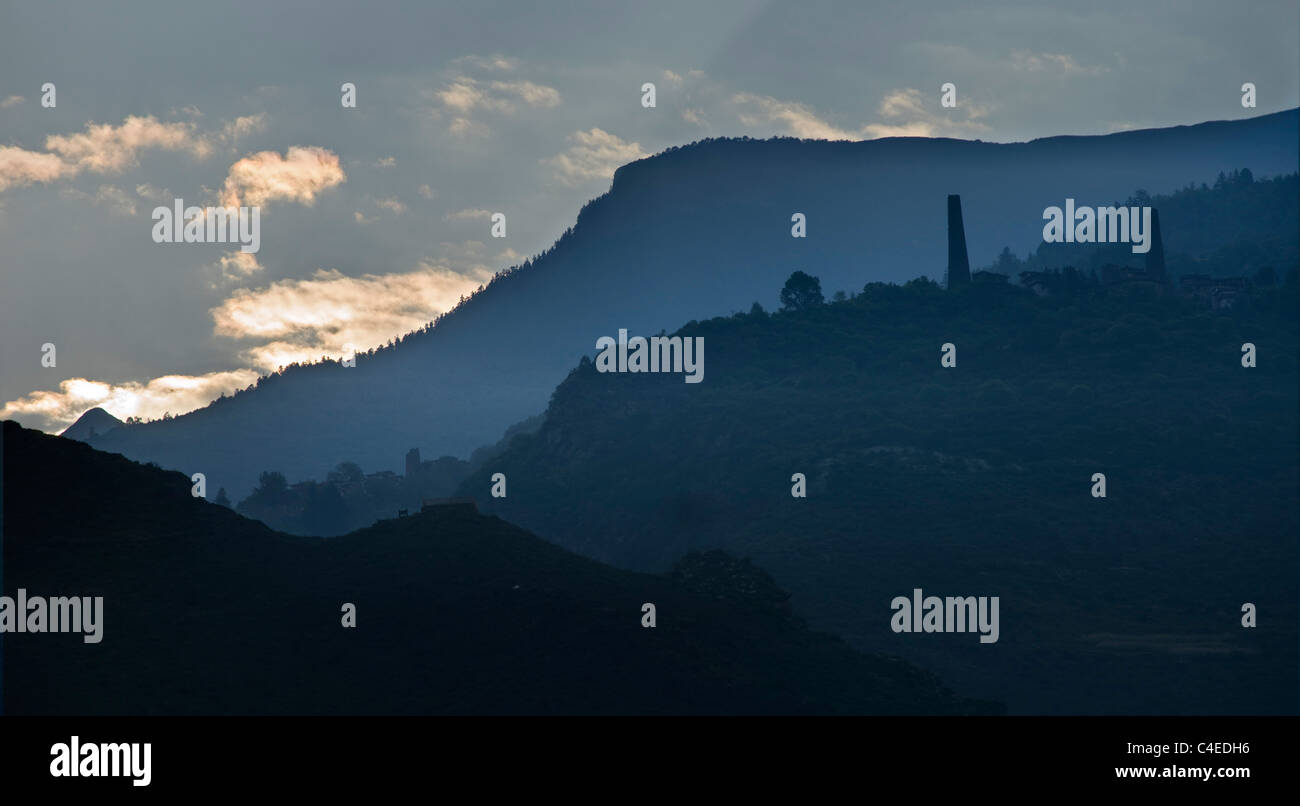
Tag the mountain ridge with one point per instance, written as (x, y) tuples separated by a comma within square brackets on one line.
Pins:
[(678, 237)]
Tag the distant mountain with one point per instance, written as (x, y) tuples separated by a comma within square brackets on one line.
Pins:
[(207, 612), (692, 232), (95, 422), (972, 480)]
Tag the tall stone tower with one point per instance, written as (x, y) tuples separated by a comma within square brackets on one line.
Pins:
[(412, 462), (958, 262), (1156, 257)]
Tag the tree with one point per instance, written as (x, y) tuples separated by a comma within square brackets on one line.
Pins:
[(801, 291), (1007, 263), (346, 473), (222, 498), (272, 488)]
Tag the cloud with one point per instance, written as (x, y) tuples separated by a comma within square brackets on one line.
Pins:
[(107, 149), (50, 410), (18, 166), (466, 94), (1052, 62), (797, 119), (903, 111), (303, 319), (461, 95), (391, 204), (104, 148), (595, 154), (426, 191), (494, 62), (115, 198), (299, 176), (468, 214), (152, 193), (908, 116), (238, 265), (464, 127), (12, 100), (386, 162), (242, 126), (537, 95)]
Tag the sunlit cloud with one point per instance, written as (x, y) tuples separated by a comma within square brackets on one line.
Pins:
[(465, 94), (595, 154), (104, 148), (291, 321), (55, 410), (108, 149), (299, 176), (906, 114), (537, 95), (232, 131), (305, 319), (18, 167), (903, 113), (796, 118), (238, 265)]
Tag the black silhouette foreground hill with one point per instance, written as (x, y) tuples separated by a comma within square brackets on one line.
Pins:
[(970, 481), (208, 612), (691, 233)]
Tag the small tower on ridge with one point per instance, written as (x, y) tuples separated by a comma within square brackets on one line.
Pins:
[(958, 262)]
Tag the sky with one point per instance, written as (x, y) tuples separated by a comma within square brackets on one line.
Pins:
[(375, 219)]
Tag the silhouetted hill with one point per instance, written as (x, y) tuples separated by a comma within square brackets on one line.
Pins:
[(207, 612), (970, 480), (95, 422), (684, 235)]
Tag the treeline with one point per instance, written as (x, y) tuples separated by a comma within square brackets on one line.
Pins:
[(349, 498), (1237, 227)]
